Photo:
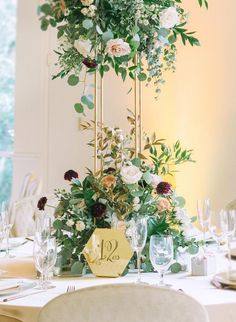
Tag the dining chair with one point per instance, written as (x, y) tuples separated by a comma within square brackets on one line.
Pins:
[(31, 186), (124, 303)]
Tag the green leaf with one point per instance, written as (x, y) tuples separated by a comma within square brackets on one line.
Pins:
[(99, 30), (136, 162), (181, 202), (193, 250), (107, 35), (147, 177), (88, 101), (79, 108), (87, 23), (175, 268), (44, 24), (57, 224), (46, 9), (164, 32), (142, 77), (137, 193), (73, 80), (77, 268)]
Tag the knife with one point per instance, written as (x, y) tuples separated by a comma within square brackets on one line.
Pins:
[(15, 297)]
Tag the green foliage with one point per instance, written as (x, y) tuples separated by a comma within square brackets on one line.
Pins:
[(137, 27)]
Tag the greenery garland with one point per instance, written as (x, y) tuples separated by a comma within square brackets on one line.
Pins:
[(118, 34)]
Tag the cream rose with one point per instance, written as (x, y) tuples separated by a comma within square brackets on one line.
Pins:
[(83, 47), (117, 47), (70, 222), (155, 180), (130, 174), (169, 18), (86, 2), (80, 226), (163, 204)]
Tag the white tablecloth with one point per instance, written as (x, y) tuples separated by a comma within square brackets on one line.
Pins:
[(220, 304)]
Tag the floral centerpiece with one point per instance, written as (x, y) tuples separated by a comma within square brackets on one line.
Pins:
[(125, 187), (116, 34)]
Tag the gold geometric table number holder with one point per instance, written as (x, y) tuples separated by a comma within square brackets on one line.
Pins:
[(107, 252)]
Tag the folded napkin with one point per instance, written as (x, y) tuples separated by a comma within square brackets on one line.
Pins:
[(22, 267)]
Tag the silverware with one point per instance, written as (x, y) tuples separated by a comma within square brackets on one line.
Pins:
[(70, 288), (15, 297)]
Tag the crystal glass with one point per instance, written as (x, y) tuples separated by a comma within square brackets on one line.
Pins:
[(45, 255), (137, 236), (161, 253), (5, 225), (228, 224), (204, 215), (216, 230)]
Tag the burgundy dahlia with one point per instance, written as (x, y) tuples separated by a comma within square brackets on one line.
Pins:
[(163, 188), (98, 210), (90, 63), (42, 203), (109, 170), (70, 174)]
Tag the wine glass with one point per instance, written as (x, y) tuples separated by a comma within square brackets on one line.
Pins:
[(204, 214), (161, 254), (5, 225), (228, 223), (45, 254), (217, 231), (137, 236)]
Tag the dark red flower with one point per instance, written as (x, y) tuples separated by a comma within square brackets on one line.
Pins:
[(42, 203), (163, 188), (90, 63), (109, 170), (70, 174), (98, 210)]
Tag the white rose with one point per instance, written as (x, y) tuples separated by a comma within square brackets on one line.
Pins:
[(83, 46), (169, 18), (117, 47), (80, 226), (136, 200), (70, 222), (130, 174), (86, 2), (155, 180)]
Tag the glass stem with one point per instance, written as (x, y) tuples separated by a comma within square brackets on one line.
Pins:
[(162, 272), (229, 257), (138, 252), (7, 243)]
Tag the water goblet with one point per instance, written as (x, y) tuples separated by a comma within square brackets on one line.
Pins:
[(228, 223), (204, 214), (6, 226), (161, 254), (45, 254), (137, 236)]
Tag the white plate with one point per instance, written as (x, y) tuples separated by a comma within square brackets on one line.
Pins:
[(17, 286), (13, 243)]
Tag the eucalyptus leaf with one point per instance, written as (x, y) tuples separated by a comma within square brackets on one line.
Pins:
[(73, 80), (87, 23), (107, 35), (175, 268), (77, 268), (79, 108), (88, 101)]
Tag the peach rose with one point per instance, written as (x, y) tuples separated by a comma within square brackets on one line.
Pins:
[(163, 204), (108, 181), (117, 47)]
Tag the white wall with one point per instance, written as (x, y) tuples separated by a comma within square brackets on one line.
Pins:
[(196, 105)]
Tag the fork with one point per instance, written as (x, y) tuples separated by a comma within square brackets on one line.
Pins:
[(70, 288)]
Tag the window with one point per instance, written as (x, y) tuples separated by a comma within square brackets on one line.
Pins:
[(7, 86)]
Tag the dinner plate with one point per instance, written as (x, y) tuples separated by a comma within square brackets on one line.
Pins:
[(226, 280), (14, 287)]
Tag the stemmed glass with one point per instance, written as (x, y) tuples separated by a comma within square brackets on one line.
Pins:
[(137, 235), (204, 214), (45, 254), (161, 254), (5, 225), (228, 223), (217, 231)]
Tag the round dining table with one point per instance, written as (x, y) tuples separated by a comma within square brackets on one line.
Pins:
[(220, 303)]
